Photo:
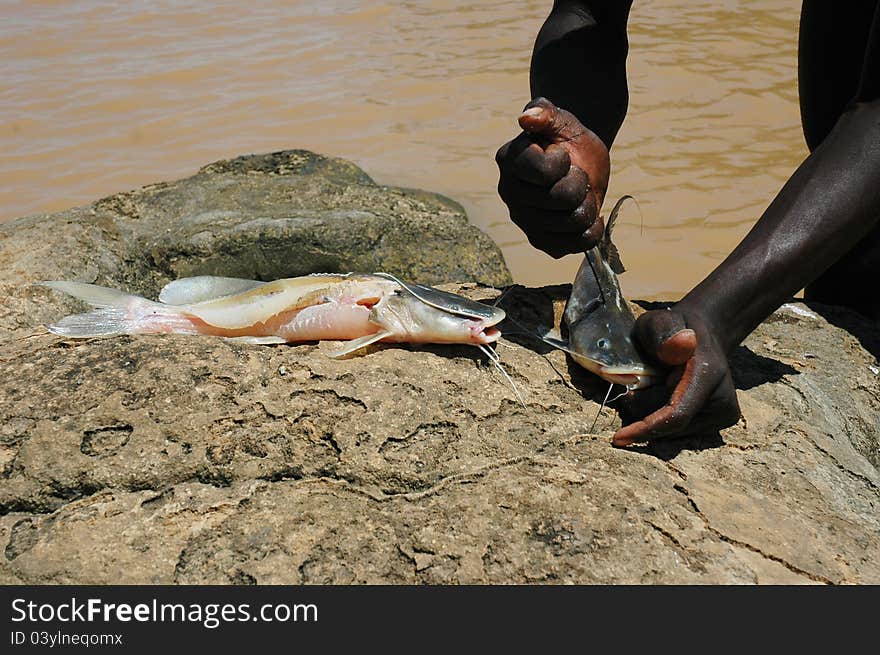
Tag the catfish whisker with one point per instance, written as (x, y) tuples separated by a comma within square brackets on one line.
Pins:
[(491, 353), (493, 357), (503, 294), (601, 407), (608, 402)]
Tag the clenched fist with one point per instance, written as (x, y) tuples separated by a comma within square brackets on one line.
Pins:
[(553, 178)]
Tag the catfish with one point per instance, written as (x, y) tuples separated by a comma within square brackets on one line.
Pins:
[(599, 320)]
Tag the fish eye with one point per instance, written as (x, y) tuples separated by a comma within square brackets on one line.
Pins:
[(603, 344)]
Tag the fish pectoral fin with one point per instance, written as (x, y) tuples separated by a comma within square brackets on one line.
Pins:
[(357, 344), (258, 341), (557, 343)]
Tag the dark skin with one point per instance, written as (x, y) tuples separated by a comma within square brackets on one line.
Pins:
[(821, 232)]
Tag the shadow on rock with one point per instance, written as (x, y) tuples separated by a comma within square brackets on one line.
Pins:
[(750, 370), (862, 328), (668, 449), (532, 313)]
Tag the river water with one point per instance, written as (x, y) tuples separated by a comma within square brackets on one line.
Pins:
[(99, 97)]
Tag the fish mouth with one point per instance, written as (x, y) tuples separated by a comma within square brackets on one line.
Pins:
[(625, 370), (632, 377), (601, 365), (489, 334), (485, 332)]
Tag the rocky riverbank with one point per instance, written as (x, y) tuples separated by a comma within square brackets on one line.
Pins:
[(163, 459)]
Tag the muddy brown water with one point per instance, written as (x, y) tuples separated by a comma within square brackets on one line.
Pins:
[(97, 98)]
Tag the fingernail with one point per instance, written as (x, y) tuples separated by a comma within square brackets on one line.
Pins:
[(533, 112)]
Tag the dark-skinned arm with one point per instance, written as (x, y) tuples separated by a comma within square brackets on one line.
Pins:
[(554, 175), (579, 63), (830, 203)]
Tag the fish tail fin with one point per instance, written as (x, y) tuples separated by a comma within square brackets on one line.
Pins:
[(116, 312), (103, 322)]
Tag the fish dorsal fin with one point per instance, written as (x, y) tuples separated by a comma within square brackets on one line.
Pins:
[(609, 250), (612, 255), (612, 217), (191, 290)]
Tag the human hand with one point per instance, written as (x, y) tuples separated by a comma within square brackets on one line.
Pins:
[(553, 178), (698, 395)]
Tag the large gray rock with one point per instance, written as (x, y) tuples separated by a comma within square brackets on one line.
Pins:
[(163, 459)]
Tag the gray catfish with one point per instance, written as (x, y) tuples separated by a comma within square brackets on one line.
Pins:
[(599, 320)]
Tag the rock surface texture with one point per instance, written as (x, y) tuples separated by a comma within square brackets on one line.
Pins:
[(175, 459)]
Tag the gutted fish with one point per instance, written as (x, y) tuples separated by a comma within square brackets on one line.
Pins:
[(360, 309)]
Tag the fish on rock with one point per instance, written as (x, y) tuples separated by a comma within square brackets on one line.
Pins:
[(359, 309)]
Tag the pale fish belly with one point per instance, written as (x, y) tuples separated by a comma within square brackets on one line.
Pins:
[(330, 320), (152, 318)]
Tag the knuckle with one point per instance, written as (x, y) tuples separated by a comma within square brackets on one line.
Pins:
[(581, 216), (555, 162), (654, 327), (593, 233), (643, 328), (569, 192), (546, 169)]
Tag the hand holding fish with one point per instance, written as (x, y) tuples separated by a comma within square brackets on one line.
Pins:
[(553, 178), (699, 395)]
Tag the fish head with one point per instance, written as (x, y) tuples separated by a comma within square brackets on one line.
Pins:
[(603, 344), (600, 321), (447, 301), (408, 318)]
